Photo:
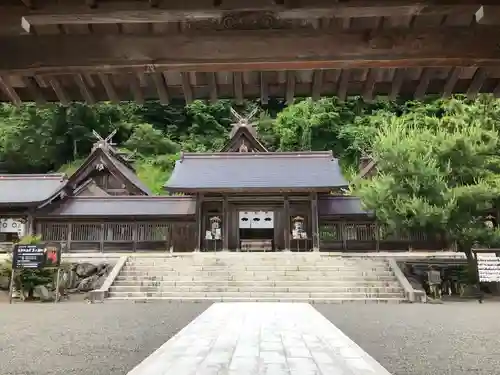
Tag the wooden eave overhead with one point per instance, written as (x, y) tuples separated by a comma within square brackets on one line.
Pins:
[(137, 50)]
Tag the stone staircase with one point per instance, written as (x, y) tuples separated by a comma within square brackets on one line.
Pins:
[(290, 277)]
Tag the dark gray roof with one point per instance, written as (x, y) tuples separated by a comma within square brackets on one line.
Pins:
[(126, 206), (29, 188), (253, 171), (341, 205)]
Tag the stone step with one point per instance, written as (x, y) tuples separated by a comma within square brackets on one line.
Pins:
[(220, 295), (262, 268), (251, 288), (250, 299), (260, 277), (255, 260), (122, 281), (229, 273)]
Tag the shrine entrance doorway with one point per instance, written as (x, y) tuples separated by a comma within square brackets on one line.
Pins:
[(256, 230)]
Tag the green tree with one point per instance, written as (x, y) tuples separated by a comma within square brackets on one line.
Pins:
[(439, 174)]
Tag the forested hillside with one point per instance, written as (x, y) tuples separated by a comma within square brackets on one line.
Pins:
[(36, 139)]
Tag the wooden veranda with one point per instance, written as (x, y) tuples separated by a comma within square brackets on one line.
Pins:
[(95, 50)]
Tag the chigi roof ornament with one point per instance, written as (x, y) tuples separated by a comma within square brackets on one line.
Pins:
[(242, 121)]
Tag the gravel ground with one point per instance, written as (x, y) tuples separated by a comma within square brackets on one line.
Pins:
[(455, 338), (110, 339)]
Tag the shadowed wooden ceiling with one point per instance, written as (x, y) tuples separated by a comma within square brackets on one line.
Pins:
[(96, 50)]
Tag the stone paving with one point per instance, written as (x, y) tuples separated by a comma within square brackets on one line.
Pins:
[(260, 339)]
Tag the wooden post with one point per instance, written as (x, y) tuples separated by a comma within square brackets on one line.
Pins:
[(343, 234), (199, 218), (11, 285), (101, 242), (134, 237), (377, 236), (314, 222), (225, 224), (70, 235), (29, 225), (286, 206)]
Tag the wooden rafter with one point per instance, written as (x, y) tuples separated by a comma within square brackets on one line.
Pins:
[(84, 89), (451, 81), (186, 87), (59, 90), (136, 89), (423, 84), (397, 82), (369, 85), (212, 84), (235, 51), (109, 88), (7, 88), (35, 91), (161, 87), (317, 84), (290, 87), (343, 84), (476, 83)]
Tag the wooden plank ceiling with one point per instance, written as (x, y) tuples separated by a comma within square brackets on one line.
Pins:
[(95, 50)]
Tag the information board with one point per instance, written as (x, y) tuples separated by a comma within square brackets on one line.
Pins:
[(488, 265), (36, 256)]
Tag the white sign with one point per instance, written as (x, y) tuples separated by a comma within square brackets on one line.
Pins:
[(488, 266), (12, 226), (256, 219)]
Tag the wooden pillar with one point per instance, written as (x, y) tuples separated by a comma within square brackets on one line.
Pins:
[(104, 235), (134, 237), (287, 230), (377, 236), (70, 236), (30, 228), (199, 219), (314, 222), (225, 224)]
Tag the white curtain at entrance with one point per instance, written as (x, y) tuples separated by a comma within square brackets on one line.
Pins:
[(256, 219)]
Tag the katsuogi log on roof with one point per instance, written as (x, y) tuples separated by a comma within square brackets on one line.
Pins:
[(29, 189), (283, 171)]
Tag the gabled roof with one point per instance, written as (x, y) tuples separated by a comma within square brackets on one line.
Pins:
[(341, 205), (277, 171), (114, 163), (243, 134), (124, 205), (89, 188), (29, 189)]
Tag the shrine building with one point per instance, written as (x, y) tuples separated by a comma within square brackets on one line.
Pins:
[(242, 198)]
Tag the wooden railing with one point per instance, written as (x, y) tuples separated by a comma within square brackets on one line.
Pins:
[(120, 236), (369, 236)]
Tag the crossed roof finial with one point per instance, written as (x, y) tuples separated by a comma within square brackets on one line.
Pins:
[(241, 120), (104, 142)]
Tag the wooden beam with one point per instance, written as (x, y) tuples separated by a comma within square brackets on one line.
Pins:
[(451, 81), (84, 89), (238, 87), (120, 14), (278, 50), (397, 82), (161, 87), (477, 83), (109, 88), (186, 87), (423, 84), (29, 3), (7, 88), (369, 85), (488, 15), (33, 88), (290, 87), (212, 85), (59, 90)]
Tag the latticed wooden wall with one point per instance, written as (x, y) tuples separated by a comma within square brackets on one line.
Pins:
[(120, 236), (345, 235)]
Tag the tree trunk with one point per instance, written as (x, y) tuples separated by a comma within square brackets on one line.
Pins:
[(472, 274)]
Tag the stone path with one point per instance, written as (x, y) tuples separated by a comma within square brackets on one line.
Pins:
[(260, 339)]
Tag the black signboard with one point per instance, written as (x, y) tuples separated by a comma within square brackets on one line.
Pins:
[(36, 256)]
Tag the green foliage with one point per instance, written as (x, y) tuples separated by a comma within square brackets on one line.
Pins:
[(438, 171)]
